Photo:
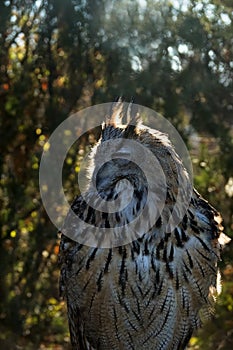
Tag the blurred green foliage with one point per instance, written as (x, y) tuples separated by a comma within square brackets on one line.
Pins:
[(57, 57)]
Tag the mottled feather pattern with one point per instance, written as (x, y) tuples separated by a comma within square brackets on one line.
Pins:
[(151, 293)]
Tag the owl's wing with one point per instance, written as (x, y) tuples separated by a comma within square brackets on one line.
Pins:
[(68, 247), (67, 257), (208, 219), (68, 250)]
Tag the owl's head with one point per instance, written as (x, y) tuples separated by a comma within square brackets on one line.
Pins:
[(117, 156)]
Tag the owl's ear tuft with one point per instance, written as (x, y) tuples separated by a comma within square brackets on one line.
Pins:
[(133, 120), (122, 113), (123, 117), (111, 126), (116, 114)]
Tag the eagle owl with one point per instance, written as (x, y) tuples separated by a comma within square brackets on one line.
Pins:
[(152, 291)]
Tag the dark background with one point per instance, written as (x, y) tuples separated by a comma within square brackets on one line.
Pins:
[(57, 57)]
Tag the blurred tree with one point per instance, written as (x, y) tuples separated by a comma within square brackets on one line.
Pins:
[(57, 57)]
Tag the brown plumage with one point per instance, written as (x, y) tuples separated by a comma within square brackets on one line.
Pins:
[(153, 292)]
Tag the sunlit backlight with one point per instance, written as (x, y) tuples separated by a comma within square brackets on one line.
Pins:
[(13, 234), (142, 3), (225, 18), (46, 146), (229, 187), (136, 63)]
